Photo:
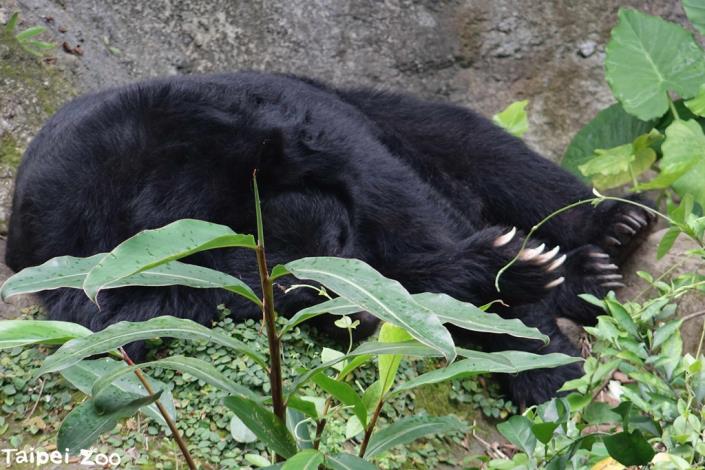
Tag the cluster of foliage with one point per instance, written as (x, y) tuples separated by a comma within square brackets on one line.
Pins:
[(413, 327), (653, 138), (28, 38)]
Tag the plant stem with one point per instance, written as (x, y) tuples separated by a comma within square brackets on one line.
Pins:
[(673, 109), (370, 428), (270, 318), (165, 414)]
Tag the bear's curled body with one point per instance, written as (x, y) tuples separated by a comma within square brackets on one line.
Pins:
[(420, 190)]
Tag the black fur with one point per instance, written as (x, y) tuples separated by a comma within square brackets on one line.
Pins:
[(420, 190)]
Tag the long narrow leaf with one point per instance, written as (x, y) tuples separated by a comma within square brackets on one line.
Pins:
[(196, 367), (308, 459), (409, 429), (15, 333), (151, 248), (337, 306), (123, 333), (264, 424), (385, 298), (344, 393), (347, 462)]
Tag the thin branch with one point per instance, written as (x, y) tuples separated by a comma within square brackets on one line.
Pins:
[(693, 315), (370, 428), (165, 414)]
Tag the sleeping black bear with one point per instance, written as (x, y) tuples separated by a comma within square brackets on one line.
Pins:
[(430, 194)]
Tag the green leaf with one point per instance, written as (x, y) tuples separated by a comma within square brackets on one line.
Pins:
[(337, 306), (629, 448), (610, 128), (544, 431), (622, 317), (68, 271), (513, 118), (664, 332), (306, 405), (409, 429), (684, 157), (122, 333), (197, 368), (600, 413), (308, 459), (388, 364), (151, 248), (469, 317), (12, 22), (517, 430), (347, 462), (264, 424), (242, 433), (14, 333), (256, 459), (695, 10), (478, 362), (667, 241), (29, 33), (278, 271), (84, 374), (386, 299), (697, 104), (344, 393), (85, 424), (646, 58), (404, 348)]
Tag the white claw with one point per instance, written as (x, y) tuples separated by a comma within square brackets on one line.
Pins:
[(548, 256), (634, 220), (610, 277), (606, 266), (639, 218), (557, 263), (613, 284), (506, 238), (626, 228), (554, 283), (595, 254), (532, 253), (613, 241)]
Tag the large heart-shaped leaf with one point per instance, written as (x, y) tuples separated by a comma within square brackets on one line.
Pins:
[(123, 333), (151, 248), (646, 58), (695, 9), (84, 374), (14, 333), (684, 158), (409, 429), (360, 284)]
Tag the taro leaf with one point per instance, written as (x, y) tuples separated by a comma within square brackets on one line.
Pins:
[(388, 364), (385, 298), (264, 424), (684, 159), (695, 10), (84, 374), (344, 393), (85, 424), (629, 448), (517, 430), (408, 430), (68, 271), (197, 368), (478, 362), (347, 462), (15, 333), (308, 459), (646, 58), (151, 248), (610, 128), (513, 118), (697, 105), (122, 333)]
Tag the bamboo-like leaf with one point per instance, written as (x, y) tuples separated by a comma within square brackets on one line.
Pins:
[(308, 459), (29, 33), (385, 298), (84, 374), (264, 424), (478, 362), (123, 333), (198, 368), (388, 364), (151, 248), (85, 424), (344, 393), (347, 462), (14, 333), (337, 306), (409, 429)]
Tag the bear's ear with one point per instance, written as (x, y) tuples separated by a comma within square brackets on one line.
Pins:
[(270, 152)]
